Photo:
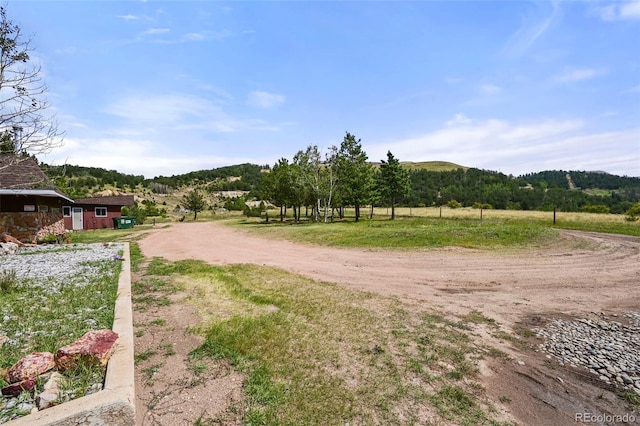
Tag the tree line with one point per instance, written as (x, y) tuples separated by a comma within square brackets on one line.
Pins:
[(324, 183), (328, 182)]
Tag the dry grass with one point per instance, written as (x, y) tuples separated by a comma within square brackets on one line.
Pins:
[(470, 213), (317, 353)]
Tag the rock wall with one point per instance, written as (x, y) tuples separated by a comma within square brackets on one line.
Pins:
[(31, 226)]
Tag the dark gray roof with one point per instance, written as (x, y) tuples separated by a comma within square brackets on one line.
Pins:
[(109, 200), (22, 173)]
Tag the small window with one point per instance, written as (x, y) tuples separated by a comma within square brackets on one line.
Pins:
[(66, 211), (101, 212)]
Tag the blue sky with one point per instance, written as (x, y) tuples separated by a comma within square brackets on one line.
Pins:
[(162, 88)]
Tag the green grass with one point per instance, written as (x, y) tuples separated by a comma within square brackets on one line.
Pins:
[(143, 356), (317, 353), (104, 235), (45, 314), (414, 232), (424, 228), (63, 312), (610, 227)]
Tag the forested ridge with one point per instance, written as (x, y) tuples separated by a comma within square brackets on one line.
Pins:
[(564, 190)]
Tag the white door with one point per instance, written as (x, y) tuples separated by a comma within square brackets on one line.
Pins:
[(76, 216)]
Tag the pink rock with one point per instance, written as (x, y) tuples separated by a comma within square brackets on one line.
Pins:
[(94, 346), (31, 366), (16, 389)]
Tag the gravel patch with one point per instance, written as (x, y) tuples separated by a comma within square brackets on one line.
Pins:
[(53, 261), (609, 349)]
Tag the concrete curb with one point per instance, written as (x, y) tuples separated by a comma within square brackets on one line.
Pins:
[(115, 404)]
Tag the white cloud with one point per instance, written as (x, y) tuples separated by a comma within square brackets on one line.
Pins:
[(154, 31), (453, 80), (620, 11), (137, 156), (194, 36), (458, 120), (519, 148), (129, 17), (531, 29), (578, 74), (261, 99), (489, 89), (164, 110)]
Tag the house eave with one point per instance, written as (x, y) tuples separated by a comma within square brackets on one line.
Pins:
[(38, 192)]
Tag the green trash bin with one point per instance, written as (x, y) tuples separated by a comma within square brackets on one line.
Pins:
[(124, 222)]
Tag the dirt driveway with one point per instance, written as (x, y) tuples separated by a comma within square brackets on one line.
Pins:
[(584, 274), (504, 287)]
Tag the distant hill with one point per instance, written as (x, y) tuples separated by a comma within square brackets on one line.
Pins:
[(432, 183), (432, 166), (582, 180)]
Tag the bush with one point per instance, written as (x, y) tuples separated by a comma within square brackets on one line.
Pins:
[(453, 204), (237, 204), (139, 213), (595, 208), (633, 213), (485, 206)]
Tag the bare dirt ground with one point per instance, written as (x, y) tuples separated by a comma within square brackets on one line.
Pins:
[(586, 274)]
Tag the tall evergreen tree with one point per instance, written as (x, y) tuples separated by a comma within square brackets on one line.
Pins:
[(393, 182), (278, 185), (355, 173)]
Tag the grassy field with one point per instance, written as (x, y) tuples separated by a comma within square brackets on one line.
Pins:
[(318, 353), (433, 228)]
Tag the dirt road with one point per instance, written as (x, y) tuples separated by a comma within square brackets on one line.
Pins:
[(584, 273), (506, 287)]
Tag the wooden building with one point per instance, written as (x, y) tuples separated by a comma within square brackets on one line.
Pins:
[(95, 212)]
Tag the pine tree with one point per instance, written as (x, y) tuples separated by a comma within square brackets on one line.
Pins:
[(393, 181)]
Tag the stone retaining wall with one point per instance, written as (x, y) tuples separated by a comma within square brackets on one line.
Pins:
[(31, 226)]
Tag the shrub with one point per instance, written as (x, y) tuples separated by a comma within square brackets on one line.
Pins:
[(139, 213), (633, 213), (237, 204), (485, 206), (595, 208), (453, 204)]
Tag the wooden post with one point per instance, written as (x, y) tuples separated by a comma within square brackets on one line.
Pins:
[(554, 215)]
